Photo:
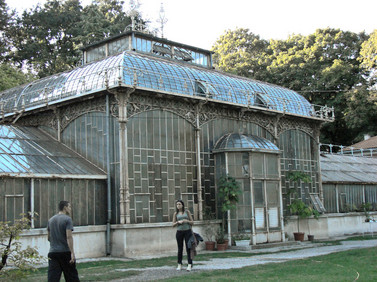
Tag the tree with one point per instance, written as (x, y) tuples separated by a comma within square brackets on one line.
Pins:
[(229, 192), (11, 251), (102, 19), (361, 111), (239, 52), (11, 76), (5, 17), (44, 38), (368, 55), (47, 39), (322, 67)]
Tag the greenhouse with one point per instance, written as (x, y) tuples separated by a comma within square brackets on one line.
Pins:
[(144, 122)]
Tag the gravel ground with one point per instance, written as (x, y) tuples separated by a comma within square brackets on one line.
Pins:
[(304, 250)]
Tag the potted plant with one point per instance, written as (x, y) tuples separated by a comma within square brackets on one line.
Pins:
[(220, 240), (366, 207), (297, 206), (229, 191), (302, 210), (209, 230)]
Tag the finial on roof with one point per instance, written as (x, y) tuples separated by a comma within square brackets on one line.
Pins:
[(133, 12), (162, 20)]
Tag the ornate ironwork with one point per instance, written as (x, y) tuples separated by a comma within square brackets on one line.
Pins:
[(47, 118)]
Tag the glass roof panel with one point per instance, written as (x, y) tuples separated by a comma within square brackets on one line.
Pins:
[(179, 78), (241, 142), (150, 72), (31, 151)]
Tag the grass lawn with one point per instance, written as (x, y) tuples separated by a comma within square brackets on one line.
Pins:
[(351, 265), (343, 266)]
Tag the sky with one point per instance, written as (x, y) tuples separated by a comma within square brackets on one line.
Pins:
[(201, 22)]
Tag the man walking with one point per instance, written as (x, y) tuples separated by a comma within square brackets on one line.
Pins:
[(61, 257)]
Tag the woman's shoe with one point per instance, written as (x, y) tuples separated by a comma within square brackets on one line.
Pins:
[(179, 267), (189, 267)]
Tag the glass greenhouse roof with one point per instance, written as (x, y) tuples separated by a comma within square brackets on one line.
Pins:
[(337, 168), (131, 69), (27, 151), (241, 142)]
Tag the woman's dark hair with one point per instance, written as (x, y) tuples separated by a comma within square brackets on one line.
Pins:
[(183, 205), (63, 204)]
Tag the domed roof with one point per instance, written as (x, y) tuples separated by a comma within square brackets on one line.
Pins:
[(240, 142)]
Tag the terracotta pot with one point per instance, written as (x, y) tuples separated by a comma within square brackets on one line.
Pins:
[(221, 247), (210, 245), (226, 242), (299, 236)]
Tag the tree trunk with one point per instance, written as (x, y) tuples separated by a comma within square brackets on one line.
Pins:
[(4, 256)]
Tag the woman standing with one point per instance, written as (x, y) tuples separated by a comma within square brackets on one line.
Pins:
[(183, 220)]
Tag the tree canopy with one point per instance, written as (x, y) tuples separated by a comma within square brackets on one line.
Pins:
[(48, 38), (325, 67)]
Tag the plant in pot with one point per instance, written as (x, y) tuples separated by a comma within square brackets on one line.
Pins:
[(302, 210), (366, 207), (229, 191), (220, 240), (209, 230), (297, 206)]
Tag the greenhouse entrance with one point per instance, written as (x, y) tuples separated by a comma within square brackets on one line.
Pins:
[(254, 162)]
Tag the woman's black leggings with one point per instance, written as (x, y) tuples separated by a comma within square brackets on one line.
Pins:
[(180, 236)]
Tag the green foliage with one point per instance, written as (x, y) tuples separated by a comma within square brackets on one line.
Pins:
[(368, 53), (12, 77), (361, 111), (366, 208), (297, 175), (229, 191), (4, 18), (239, 52), (323, 67), (297, 206), (220, 236), (48, 38), (11, 251)]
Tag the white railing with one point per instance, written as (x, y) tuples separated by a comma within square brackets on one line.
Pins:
[(347, 150)]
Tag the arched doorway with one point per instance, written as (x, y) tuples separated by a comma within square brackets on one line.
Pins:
[(255, 163)]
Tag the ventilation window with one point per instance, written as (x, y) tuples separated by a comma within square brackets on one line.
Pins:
[(204, 89), (182, 54), (260, 101), (162, 50)]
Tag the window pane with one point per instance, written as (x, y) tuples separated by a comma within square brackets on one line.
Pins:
[(272, 165), (258, 193), (272, 192), (257, 161)]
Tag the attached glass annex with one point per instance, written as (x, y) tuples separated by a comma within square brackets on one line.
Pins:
[(254, 162), (27, 151)]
